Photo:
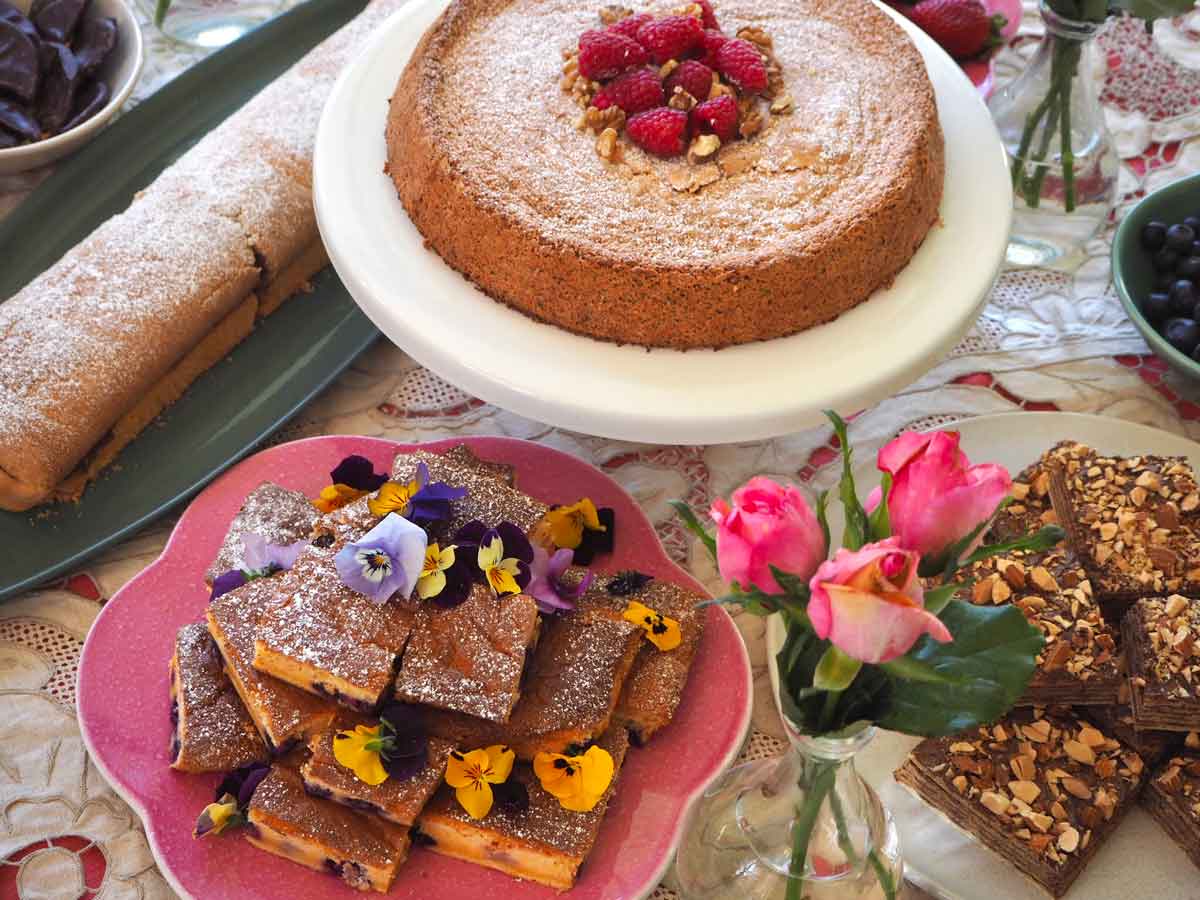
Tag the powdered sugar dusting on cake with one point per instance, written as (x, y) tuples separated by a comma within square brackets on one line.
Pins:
[(273, 512)]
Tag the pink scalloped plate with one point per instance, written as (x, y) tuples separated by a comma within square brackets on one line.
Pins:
[(980, 70), (124, 710)]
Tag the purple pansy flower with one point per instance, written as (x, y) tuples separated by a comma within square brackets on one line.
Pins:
[(357, 472), (386, 561), (546, 584), (408, 741), (260, 558), (597, 543), (503, 554), (228, 809), (420, 500)]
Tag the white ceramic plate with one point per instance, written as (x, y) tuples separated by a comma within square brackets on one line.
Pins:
[(663, 396), (1139, 860)]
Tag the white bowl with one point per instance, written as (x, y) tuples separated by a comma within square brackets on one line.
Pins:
[(120, 72)]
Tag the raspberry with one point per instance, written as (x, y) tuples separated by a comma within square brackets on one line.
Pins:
[(671, 37), (694, 77), (661, 131), (710, 17), (742, 63), (629, 25), (713, 41), (718, 116), (603, 54), (633, 91)]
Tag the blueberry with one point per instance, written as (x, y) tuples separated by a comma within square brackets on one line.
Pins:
[(1182, 334), (1180, 237), (1165, 260), (1192, 222), (1195, 251), (1157, 307), (1163, 281), (1154, 235), (1189, 267), (1183, 297)]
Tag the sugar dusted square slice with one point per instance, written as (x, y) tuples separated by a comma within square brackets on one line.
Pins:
[(327, 638), (1162, 645), (570, 691), (283, 819), (397, 800), (469, 658), (283, 713), (542, 842), (1172, 797), (1042, 790), (213, 732), (280, 515)]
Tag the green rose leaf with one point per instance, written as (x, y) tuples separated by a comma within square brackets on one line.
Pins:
[(857, 528), (937, 598), (835, 671), (693, 525), (988, 664), (880, 522)]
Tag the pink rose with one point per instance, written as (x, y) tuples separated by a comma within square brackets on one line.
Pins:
[(937, 497), (869, 602), (768, 525)]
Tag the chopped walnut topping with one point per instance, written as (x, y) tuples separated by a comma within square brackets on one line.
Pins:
[(752, 124), (756, 36), (695, 10), (606, 145), (681, 99), (703, 147), (600, 120), (610, 15), (782, 105)]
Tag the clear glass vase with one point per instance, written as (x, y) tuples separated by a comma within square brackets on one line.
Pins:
[(209, 23), (1062, 160), (802, 826)]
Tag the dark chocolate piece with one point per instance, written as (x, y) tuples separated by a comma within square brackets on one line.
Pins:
[(60, 81), (56, 19), (96, 39), (89, 101), (16, 118), (18, 61), (12, 15)]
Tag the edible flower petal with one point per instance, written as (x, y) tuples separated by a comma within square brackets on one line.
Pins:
[(226, 582), (406, 740), (335, 496), (511, 797), (360, 751), (472, 775), (386, 561), (662, 631), (629, 582), (597, 542), (420, 500), (564, 525), (259, 559), (359, 473), (546, 584), (504, 557), (242, 781), (218, 816), (578, 782)]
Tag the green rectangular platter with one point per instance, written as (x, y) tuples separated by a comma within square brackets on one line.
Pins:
[(240, 401)]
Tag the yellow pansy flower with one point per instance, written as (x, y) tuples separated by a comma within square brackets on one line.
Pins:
[(433, 573), (662, 631), (473, 774), (216, 817), (564, 525), (335, 496), (359, 751), (393, 497), (501, 573), (578, 782)]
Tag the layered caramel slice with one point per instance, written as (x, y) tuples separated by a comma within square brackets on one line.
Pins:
[(398, 800), (280, 515), (1042, 790), (1031, 507), (572, 684), (365, 851), (213, 732), (1172, 797), (1080, 663), (283, 713), (327, 638), (1162, 645), (656, 681), (539, 841), (1133, 522), (1118, 721), (469, 658)]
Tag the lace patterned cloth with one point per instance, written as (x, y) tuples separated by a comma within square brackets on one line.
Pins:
[(1048, 339)]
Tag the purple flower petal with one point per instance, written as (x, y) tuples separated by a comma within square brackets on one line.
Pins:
[(357, 472), (254, 552), (544, 586), (523, 575), (229, 581), (386, 561), (574, 593), (556, 564), (284, 556), (471, 534), (241, 782), (596, 543), (516, 544), (459, 579)]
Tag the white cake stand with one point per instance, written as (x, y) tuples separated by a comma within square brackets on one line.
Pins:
[(741, 393)]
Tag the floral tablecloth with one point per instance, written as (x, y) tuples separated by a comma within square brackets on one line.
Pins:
[(1048, 339)]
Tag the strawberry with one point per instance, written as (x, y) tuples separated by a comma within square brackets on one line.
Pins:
[(718, 116), (630, 25), (694, 77), (604, 54), (634, 91), (713, 41), (742, 63), (671, 37), (963, 28), (662, 131), (710, 17)]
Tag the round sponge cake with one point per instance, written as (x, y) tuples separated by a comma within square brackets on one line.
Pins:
[(787, 230)]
